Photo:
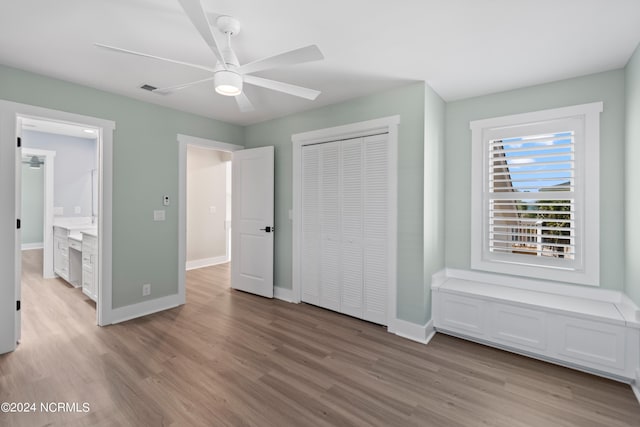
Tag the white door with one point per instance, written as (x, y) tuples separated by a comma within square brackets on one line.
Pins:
[(252, 225), (18, 232), (347, 226)]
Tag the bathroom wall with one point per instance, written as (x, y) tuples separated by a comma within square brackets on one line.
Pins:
[(75, 159)]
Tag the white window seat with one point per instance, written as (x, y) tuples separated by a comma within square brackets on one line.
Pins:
[(589, 329)]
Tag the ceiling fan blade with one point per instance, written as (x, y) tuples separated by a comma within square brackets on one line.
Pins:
[(195, 12), (297, 56), (170, 89), (294, 90), (243, 103), (146, 55)]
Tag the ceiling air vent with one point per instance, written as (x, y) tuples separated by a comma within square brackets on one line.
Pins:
[(148, 87)]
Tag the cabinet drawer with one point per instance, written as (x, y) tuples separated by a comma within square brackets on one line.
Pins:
[(89, 242), (594, 344), (74, 244), (519, 327), (60, 232), (462, 314), (61, 244)]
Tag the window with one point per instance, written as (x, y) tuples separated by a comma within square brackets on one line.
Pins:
[(535, 203)]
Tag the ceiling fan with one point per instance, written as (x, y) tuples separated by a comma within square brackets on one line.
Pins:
[(34, 162), (228, 74)]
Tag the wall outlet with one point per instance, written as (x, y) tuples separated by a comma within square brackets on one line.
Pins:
[(165, 200), (77, 210), (146, 290)]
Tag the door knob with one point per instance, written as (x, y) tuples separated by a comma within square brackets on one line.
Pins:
[(268, 229)]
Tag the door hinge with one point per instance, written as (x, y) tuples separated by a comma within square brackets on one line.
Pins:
[(19, 142), (18, 223), (18, 305)]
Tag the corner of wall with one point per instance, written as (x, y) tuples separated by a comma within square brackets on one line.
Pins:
[(414, 332), (632, 177), (434, 217)]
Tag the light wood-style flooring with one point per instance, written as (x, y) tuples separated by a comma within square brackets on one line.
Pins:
[(228, 358)]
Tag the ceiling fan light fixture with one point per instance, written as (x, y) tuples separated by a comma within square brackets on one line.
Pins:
[(228, 83), (34, 163)]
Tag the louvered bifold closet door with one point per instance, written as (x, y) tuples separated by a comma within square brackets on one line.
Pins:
[(330, 227), (376, 228), (311, 241), (352, 211)]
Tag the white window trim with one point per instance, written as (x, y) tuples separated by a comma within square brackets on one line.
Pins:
[(589, 274)]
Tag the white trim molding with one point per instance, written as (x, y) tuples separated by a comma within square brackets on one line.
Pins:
[(183, 142), (636, 386), (145, 308), (32, 246), (10, 245), (283, 294), (206, 262), (47, 229), (413, 331), (584, 266), (355, 130)]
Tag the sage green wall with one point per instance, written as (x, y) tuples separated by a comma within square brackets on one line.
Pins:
[(632, 178), (608, 87), (32, 204), (434, 222), (145, 167), (408, 102)]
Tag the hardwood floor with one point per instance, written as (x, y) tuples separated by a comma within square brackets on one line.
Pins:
[(230, 358)]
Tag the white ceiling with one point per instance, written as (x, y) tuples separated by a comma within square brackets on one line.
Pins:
[(462, 48)]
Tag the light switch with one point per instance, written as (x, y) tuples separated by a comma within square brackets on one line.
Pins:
[(158, 215), (77, 209), (212, 209)]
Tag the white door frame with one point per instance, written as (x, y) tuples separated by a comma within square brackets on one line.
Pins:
[(10, 112), (355, 130), (47, 230), (183, 142)]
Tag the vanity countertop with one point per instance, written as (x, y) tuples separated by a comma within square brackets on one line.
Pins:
[(76, 231), (90, 231), (75, 236)]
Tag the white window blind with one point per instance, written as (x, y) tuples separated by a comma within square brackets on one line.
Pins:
[(532, 200), (535, 202)]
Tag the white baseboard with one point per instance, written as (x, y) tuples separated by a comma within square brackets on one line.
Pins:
[(206, 262), (283, 294), (145, 308), (636, 386), (414, 332), (30, 246)]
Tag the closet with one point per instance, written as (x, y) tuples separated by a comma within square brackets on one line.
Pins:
[(346, 222)]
